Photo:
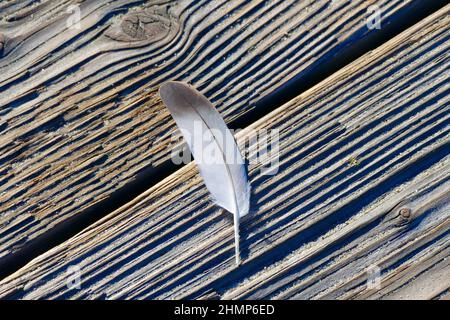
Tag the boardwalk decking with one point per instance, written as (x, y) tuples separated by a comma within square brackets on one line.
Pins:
[(80, 117), (363, 180)]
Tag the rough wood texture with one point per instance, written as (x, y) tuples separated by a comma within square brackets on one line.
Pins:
[(79, 116), (363, 180)]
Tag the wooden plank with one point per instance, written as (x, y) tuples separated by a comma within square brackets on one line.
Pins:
[(428, 284), (354, 150), (400, 249), (79, 115)]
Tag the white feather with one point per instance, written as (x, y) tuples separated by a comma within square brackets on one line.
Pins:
[(214, 149)]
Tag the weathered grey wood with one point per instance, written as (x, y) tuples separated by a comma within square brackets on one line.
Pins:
[(363, 180), (344, 273), (79, 115)]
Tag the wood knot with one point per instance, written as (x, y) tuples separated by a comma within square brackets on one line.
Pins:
[(405, 217), (143, 26), (405, 213), (2, 43)]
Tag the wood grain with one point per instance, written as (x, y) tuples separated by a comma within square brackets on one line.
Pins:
[(363, 180), (79, 115)]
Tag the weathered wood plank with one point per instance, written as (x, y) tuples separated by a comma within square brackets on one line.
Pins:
[(79, 115), (355, 149), (402, 248)]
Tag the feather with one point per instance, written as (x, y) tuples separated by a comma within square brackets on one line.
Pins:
[(214, 149)]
